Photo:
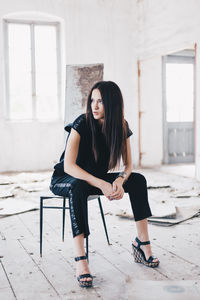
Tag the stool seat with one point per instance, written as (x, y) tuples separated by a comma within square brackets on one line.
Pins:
[(64, 207), (92, 197)]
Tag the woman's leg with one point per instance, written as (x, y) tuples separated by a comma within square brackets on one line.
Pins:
[(77, 191), (82, 265), (142, 231), (136, 186), (78, 195)]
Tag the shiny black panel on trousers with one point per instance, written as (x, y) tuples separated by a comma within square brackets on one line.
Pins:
[(78, 190)]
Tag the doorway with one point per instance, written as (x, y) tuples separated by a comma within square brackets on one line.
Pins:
[(178, 107)]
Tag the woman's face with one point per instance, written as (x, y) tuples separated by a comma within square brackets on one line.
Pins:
[(97, 105)]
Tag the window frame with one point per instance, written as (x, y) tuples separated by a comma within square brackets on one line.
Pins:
[(32, 24)]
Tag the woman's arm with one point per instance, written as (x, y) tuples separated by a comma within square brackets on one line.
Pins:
[(128, 164), (118, 190), (74, 170)]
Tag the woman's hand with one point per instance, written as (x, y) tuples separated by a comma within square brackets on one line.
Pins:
[(106, 189), (118, 191)]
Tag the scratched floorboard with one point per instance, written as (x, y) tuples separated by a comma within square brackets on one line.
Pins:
[(25, 275)]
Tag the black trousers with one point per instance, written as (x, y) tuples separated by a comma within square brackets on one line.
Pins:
[(78, 190)]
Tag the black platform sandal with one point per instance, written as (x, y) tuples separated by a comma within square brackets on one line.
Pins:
[(139, 255), (84, 283)]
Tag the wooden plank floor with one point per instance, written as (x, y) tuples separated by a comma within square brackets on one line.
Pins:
[(24, 275)]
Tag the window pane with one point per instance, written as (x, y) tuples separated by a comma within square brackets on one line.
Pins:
[(47, 103), (179, 92), (45, 49), (19, 71), (20, 107), (46, 72), (44, 111), (46, 84)]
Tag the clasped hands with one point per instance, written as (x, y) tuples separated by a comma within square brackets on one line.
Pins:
[(113, 191)]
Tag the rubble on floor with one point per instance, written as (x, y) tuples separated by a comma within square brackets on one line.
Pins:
[(173, 199), (20, 191), (168, 197)]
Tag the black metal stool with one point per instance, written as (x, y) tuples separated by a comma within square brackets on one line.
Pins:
[(63, 221)]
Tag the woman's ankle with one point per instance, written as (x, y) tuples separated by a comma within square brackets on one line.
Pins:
[(79, 245), (143, 237), (79, 252)]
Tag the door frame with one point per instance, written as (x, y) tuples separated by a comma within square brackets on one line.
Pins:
[(177, 59)]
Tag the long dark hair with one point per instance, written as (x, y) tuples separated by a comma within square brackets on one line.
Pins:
[(114, 126)]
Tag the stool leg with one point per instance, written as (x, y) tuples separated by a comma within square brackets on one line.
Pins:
[(41, 223), (87, 253), (63, 229), (103, 219)]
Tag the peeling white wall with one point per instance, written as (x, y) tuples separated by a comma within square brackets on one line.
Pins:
[(197, 115), (28, 145), (151, 134), (115, 33), (95, 31), (164, 27)]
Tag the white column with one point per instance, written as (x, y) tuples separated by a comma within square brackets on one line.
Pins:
[(197, 114)]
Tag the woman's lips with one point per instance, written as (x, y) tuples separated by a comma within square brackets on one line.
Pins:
[(95, 113)]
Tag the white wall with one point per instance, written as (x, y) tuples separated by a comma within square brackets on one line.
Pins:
[(197, 115), (166, 26), (28, 145), (115, 33), (151, 134), (94, 31)]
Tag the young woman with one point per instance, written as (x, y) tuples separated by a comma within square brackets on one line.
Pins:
[(95, 145)]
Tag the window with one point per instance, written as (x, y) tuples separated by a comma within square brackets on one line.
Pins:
[(32, 70)]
